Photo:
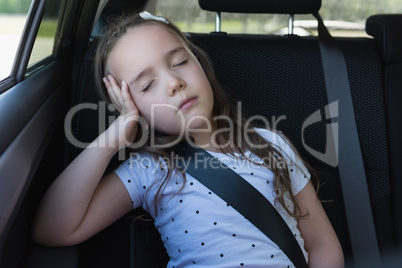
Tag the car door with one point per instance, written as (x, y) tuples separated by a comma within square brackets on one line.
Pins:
[(34, 95)]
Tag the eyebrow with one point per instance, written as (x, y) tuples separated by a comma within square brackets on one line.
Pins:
[(148, 70), (141, 74), (174, 51)]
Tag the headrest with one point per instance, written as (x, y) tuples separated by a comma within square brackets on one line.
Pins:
[(387, 31), (262, 6)]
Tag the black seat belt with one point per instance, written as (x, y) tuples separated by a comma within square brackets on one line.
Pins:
[(351, 167), (229, 186)]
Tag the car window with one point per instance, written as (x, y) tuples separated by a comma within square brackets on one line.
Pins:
[(13, 18), (13, 15), (43, 46), (342, 18)]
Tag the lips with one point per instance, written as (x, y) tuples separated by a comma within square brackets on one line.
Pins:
[(187, 103)]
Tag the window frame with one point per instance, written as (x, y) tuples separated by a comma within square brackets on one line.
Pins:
[(29, 34)]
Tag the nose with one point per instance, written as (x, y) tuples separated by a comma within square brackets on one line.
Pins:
[(175, 84)]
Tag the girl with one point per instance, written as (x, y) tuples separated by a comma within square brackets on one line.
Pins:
[(165, 90)]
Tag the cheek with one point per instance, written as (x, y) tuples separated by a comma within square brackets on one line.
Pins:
[(163, 118), (205, 86)]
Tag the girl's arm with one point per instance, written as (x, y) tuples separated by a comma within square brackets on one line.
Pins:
[(79, 203), (321, 242)]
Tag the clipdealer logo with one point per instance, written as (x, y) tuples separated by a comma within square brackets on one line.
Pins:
[(330, 156)]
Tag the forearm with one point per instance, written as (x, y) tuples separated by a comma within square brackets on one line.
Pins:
[(65, 203)]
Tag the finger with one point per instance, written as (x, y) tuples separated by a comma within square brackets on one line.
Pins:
[(106, 82), (109, 88), (114, 98), (127, 99), (114, 87), (113, 92)]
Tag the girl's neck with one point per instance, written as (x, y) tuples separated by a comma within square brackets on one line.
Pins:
[(207, 142)]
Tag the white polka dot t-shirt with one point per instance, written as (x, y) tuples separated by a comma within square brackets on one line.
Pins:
[(197, 227)]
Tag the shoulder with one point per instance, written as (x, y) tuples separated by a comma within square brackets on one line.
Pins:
[(141, 166), (139, 173), (299, 173), (277, 138)]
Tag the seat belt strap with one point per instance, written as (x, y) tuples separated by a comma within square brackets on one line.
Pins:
[(242, 196), (351, 167)]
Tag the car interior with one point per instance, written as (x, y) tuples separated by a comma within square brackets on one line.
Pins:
[(283, 78)]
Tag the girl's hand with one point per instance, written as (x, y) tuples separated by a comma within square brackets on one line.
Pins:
[(124, 129)]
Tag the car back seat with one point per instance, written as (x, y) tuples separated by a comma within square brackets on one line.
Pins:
[(386, 29), (281, 78)]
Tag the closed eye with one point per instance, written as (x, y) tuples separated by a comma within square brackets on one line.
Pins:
[(148, 86), (181, 63)]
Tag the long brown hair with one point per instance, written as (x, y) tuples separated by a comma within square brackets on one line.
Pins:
[(244, 134)]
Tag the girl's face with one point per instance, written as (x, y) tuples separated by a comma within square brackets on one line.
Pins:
[(166, 81)]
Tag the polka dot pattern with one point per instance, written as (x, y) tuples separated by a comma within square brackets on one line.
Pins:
[(198, 228)]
